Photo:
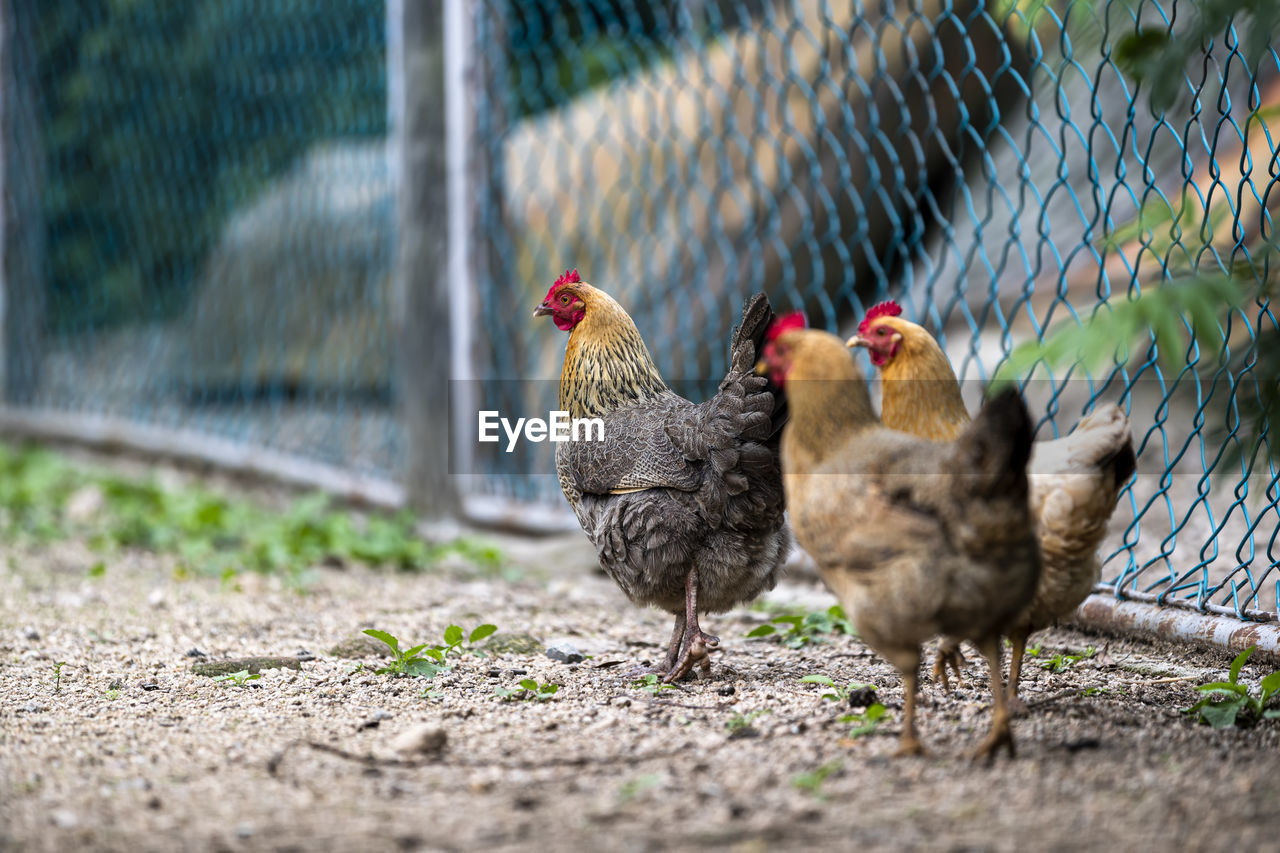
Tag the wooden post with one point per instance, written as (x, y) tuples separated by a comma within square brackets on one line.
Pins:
[(21, 217), (421, 286)]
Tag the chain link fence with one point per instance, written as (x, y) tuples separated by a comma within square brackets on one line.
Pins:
[(202, 218)]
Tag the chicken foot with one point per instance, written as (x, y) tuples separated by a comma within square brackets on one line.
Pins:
[(697, 645), (669, 660), (1001, 733), (949, 654)]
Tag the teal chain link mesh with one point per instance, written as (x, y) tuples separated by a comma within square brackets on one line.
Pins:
[(992, 167), (218, 224)]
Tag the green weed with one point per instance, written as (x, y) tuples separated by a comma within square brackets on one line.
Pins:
[(239, 679), (213, 534), (797, 630), (1225, 702), (651, 684), (865, 722), (811, 782), (426, 660), (739, 725), (527, 689), (1060, 662)]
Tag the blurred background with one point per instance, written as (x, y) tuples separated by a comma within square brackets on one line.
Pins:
[(296, 239)]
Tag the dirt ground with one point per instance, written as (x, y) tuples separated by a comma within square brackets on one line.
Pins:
[(127, 749)]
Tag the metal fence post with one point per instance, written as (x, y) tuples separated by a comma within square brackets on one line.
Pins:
[(421, 284), (21, 223)]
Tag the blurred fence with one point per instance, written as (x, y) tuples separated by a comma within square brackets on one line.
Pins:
[(201, 217)]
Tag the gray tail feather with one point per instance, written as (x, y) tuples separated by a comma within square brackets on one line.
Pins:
[(757, 317)]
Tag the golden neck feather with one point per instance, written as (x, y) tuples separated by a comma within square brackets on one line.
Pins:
[(606, 363), (921, 394), (827, 396)]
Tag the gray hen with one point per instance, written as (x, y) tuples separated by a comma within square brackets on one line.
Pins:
[(683, 501)]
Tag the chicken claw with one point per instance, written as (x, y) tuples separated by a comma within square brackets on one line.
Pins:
[(1001, 734), (697, 645), (948, 655)]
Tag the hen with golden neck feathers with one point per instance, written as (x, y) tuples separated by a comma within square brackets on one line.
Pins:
[(683, 501)]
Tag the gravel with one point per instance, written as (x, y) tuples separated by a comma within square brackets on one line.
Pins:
[(132, 750)]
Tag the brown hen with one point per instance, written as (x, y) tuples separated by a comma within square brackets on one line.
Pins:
[(1075, 480), (916, 538)]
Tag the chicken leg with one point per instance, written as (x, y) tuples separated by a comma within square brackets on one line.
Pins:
[(909, 741), (1017, 639), (697, 645), (669, 660), (948, 655), (1001, 733)]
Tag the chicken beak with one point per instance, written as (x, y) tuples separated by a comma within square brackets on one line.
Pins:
[(857, 341), (543, 310)]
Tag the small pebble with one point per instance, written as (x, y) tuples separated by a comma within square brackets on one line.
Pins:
[(565, 652), (156, 598), (244, 830), (149, 685), (419, 740), (64, 819), (374, 721), (727, 690), (195, 653), (30, 634), (34, 707)]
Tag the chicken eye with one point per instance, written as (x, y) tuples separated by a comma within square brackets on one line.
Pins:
[(882, 331), (564, 300)]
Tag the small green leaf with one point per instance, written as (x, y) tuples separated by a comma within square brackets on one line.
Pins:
[(762, 631), (414, 651), (420, 668), (1270, 685), (1222, 715), (529, 684), (453, 635), (1225, 688), (481, 632), (98, 569), (1238, 664), (391, 641), (818, 679)]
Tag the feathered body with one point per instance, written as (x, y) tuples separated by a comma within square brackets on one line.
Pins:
[(676, 490), (916, 538), (1075, 480)]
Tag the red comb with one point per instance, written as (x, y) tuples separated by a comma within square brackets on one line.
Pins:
[(569, 277), (785, 323), (888, 308)]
